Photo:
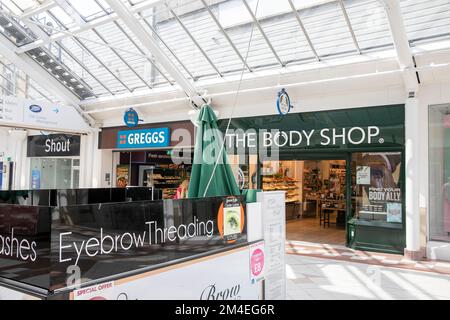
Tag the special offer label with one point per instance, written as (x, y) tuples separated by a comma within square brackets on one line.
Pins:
[(102, 291), (257, 262)]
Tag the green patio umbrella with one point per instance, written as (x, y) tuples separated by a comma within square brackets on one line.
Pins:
[(207, 152)]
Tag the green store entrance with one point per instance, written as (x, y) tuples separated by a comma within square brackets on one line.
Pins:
[(342, 171)]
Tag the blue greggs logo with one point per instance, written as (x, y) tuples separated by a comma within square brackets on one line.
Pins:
[(143, 138)]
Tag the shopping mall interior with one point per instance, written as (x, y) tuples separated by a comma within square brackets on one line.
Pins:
[(224, 149)]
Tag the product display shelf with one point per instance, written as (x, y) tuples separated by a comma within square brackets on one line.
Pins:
[(311, 180), (291, 186), (340, 173), (168, 179)]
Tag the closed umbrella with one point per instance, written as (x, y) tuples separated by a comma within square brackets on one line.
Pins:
[(211, 173)]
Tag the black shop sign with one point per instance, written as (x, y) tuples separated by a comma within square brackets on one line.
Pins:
[(53, 145)]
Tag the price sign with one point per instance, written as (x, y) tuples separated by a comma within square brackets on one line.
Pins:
[(257, 262)]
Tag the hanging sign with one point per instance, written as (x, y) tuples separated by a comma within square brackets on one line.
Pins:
[(131, 118), (144, 138), (283, 102), (53, 145)]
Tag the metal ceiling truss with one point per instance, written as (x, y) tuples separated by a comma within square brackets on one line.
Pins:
[(305, 33), (80, 21), (19, 76), (81, 64), (13, 30), (225, 34), (193, 40), (350, 28), (135, 26), (261, 31), (30, 66), (168, 48), (84, 27), (401, 44), (143, 53)]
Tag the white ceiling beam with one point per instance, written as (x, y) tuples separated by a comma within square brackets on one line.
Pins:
[(152, 46), (86, 26), (40, 75), (401, 44), (39, 9)]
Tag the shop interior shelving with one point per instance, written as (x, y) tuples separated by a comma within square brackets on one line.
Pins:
[(167, 178), (278, 183)]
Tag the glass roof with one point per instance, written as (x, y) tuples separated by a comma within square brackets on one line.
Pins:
[(93, 52)]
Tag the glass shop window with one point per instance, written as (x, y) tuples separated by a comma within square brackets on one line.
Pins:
[(439, 172), (54, 173), (376, 187)]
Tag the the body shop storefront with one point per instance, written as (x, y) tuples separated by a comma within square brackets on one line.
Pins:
[(342, 167)]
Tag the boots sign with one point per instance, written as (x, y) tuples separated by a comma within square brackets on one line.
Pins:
[(53, 145)]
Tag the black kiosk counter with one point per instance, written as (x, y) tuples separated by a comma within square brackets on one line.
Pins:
[(114, 243)]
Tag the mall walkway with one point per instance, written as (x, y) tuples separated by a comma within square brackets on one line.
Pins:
[(327, 277)]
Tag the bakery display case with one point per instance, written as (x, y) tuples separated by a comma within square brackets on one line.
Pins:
[(277, 183)]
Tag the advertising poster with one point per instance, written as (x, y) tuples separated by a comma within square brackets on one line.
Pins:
[(35, 179), (218, 277), (122, 174), (231, 219), (257, 262), (381, 197), (394, 212), (363, 175)]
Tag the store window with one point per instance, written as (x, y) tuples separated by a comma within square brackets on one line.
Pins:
[(377, 188), (55, 173), (439, 172), (245, 169)]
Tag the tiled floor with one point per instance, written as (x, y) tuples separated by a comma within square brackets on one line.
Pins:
[(342, 253), (309, 229), (312, 278)]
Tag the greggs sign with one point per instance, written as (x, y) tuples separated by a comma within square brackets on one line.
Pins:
[(143, 138)]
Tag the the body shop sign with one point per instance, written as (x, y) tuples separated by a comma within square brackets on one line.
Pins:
[(346, 129), (144, 138), (53, 145)]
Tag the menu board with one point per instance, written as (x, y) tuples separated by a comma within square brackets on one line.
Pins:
[(274, 233)]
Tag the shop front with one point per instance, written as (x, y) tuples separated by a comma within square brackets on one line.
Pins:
[(439, 183), (150, 155), (118, 244), (342, 171), (54, 161)]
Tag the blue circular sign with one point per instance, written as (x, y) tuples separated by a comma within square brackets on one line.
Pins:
[(131, 118), (283, 102)]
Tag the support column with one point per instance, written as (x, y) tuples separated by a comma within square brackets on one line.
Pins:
[(17, 152), (96, 156), (412, 190)]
